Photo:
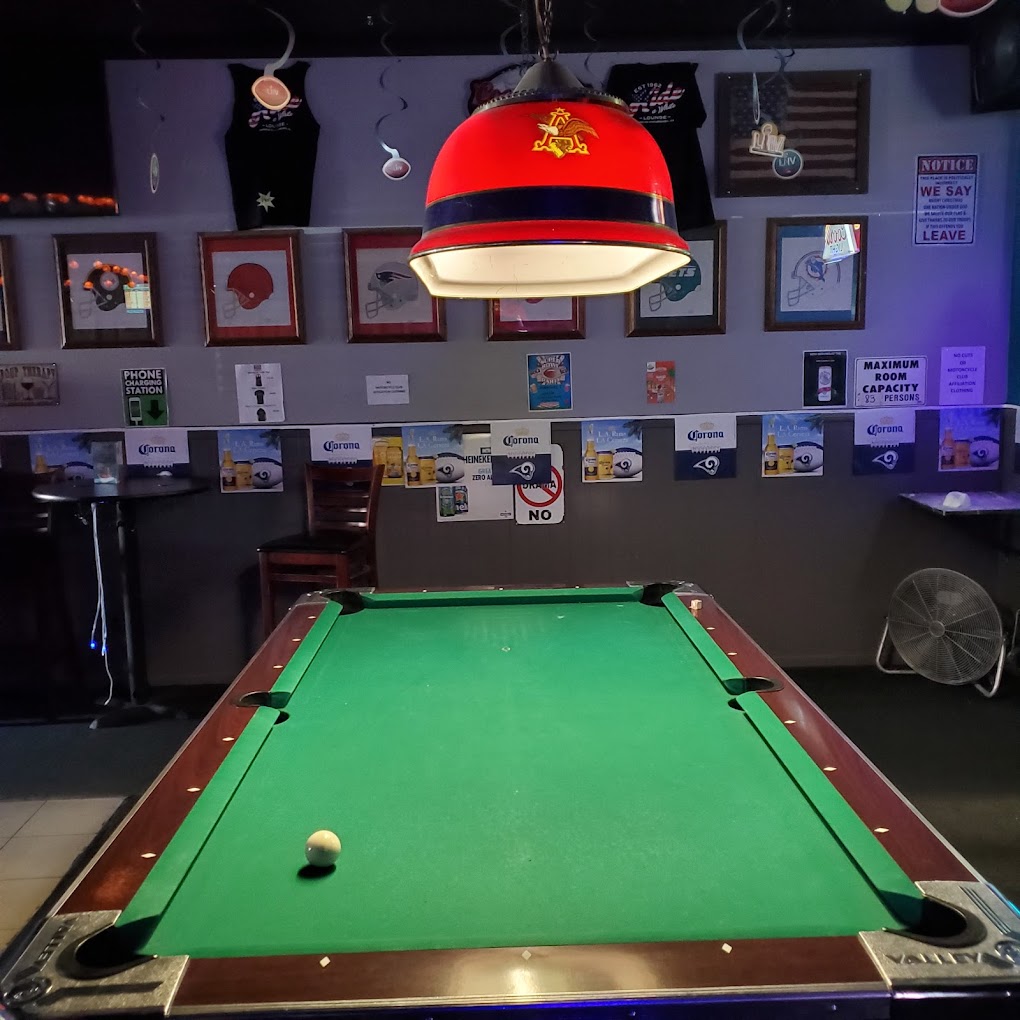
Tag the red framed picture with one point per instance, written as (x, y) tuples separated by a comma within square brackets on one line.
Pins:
[(551, 318), (386, 302), (251, 288)]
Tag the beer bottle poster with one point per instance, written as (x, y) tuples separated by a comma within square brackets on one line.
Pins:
[(433, 455), (68, 455), (705, 446), (969, 438), (474, 497), (250, 460), (157, 453), (388, 450), (521, 452), (825, 378), (792, 445), (884, 442), (611, 450), (342, 444)]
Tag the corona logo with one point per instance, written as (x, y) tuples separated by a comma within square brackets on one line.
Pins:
[(562, 134)]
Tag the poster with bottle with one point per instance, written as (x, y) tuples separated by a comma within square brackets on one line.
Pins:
[(259, 393), (884, 442), (825, 378), (792, 445), (433, 455), (474, 497), (350, 445), (611, 450), (157, 453), (388, 450), (970, 438), (660, 382), (549, 382), (65, 456), (705, 446), (250, 460), (522, 452)]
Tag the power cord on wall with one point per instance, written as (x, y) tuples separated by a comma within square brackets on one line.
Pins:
[(99, 620)]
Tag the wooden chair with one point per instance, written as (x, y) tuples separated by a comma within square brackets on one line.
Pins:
[(338, 547)]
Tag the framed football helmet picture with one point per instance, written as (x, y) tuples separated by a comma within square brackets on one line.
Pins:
[(386, 302), (109, 290), (809, 285), (251, 287), (690, 300)]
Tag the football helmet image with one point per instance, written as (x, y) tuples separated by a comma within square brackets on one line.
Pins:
[(248, 285), (675, 286), (106, 284), (392, 285), (811, 274)]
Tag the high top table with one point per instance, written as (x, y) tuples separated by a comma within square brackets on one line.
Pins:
[(123, 496)]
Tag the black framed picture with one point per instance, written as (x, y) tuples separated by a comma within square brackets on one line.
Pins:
[(8, 298), (692, 299), (807, 135)]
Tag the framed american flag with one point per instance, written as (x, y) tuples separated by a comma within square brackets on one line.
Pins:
[(807, 135)]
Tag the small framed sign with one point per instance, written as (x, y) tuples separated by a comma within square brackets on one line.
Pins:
[(109, 290), (8, 299), (29, 386), (251, 287), (385, 299), (692, 299), (552, 318)]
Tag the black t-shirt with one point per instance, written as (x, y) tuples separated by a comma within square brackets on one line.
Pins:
[(271, 153), (665, 99)]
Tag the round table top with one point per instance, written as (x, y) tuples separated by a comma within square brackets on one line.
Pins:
[(130, 488)]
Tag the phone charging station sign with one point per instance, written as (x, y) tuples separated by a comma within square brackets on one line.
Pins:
[(542, 504)]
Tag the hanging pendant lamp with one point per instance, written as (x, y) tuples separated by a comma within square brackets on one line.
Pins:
[(552, 191)]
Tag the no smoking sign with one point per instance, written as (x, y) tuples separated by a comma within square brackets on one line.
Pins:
[(542, 504)]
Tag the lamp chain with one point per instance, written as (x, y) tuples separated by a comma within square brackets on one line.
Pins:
[(543, 22)]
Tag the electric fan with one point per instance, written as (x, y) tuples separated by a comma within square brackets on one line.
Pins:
[(945, 627)]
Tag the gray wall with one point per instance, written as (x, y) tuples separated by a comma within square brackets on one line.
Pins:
[(807, 567)]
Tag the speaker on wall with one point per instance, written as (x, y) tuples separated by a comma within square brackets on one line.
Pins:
[(995, 61)]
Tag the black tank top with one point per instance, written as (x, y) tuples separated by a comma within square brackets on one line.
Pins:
[(271, 153)]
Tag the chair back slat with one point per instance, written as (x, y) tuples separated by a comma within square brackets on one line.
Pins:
[(20, 514), (342, 499)]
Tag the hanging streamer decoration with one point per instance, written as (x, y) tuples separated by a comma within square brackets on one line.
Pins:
[(396, 167), (766, 138), (268, 89), (154, 171), (501, 82)]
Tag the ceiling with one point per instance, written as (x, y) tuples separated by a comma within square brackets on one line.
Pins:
[(244, 28)]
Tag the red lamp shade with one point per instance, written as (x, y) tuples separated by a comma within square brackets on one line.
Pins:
[(552, 191)]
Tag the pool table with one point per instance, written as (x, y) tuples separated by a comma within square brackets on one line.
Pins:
[(599, 799)]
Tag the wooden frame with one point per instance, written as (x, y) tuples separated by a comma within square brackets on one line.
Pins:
[(830, 134), (251, 287), (386, 302), (800, 276), (108, 282), (511, 319), (9, 340), (644, 304)]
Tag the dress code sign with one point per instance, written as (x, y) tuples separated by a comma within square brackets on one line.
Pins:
[(945, 199)]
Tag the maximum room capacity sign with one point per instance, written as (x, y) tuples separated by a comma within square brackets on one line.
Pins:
[(945, 199)]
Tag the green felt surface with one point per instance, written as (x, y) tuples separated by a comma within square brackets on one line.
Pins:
[(551, 769)]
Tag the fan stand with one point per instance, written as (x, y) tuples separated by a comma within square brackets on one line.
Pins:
[(884, 660)]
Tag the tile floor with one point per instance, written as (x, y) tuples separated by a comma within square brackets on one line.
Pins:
[(39, 841)]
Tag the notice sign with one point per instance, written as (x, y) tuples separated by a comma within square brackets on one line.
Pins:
[(542, 504), (890, 382), (945, 199), (962, 379), (144, 391)]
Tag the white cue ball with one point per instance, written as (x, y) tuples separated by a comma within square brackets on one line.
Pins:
[(322, 848)]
